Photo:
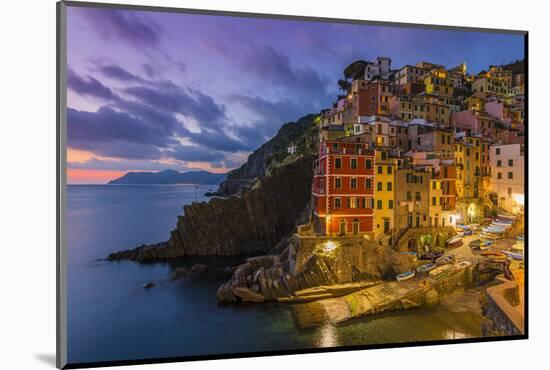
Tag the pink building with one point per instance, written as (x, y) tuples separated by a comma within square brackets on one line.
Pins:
[(497, 109), (475, 122)]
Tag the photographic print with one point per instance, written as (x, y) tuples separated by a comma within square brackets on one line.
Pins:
[(240, 184)]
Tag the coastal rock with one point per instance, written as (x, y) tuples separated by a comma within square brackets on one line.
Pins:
[(149, 285), (180, 272), (247, 295), (183, 272), (197, 270)]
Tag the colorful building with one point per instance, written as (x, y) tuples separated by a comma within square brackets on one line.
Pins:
[(507, 176), (343, 189)]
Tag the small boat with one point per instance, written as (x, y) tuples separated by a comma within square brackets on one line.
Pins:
[(431, 256), (454, 241), (484, 246), (507, 216), (464, 264), (474, 244), (425, 268), (445, 260), (518, 247), (440, 272), (405, 276), (516, 256), (492, 254)]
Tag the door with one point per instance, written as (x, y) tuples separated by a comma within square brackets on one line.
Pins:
[(386, 226), (355, 227), (343, 227)]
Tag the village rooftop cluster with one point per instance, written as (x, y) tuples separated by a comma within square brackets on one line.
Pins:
[(421, 146)]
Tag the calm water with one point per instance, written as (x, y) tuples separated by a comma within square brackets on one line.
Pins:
[(111, 317)]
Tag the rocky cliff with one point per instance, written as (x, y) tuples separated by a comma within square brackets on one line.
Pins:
[(253, 222), (292, 133)]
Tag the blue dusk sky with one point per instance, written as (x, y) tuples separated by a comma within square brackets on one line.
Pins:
[(149, 91)]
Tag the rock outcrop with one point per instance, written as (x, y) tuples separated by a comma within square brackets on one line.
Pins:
[(251, 223), (303, 266)]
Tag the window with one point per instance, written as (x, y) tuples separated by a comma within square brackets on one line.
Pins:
[(389, 186), (389, 170), (379, 170), (384, 156), (363, 202), (368, 183), (353, 183), (509, 192), (510, 163), (499, 175), (337, 203), (353, 202), (337, 162), (337, 183), (353, 163), (510, 175), (368, 164), (390, 204), (434, 200), (498, 151), (409, 196), (379, 186), (379, 204), (417, 196), (322, 186), (499, 163)]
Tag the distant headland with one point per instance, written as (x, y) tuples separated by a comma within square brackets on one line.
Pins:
[(169, 177)]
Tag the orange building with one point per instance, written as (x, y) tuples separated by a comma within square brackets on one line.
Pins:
[(343, 189)]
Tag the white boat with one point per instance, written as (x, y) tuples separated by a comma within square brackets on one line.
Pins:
[(443, 260), (405, 276), (425, 268), (454, 240), (515, 255), (464, 264), (508, 216)]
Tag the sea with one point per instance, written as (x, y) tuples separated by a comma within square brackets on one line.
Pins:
[(111, 317)]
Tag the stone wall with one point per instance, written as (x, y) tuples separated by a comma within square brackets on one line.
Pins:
[(504, 318), (439, 236)]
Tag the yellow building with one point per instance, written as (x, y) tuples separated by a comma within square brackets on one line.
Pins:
[(471, 156), (384, 197), (438, 82), (490, 86)]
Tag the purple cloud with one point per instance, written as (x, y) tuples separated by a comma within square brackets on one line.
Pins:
[(119, 25), (88, 86)]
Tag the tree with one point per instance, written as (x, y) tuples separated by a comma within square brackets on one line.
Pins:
[(344, 85)]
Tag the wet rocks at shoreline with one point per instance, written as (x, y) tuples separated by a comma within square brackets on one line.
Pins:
[(194, 272)]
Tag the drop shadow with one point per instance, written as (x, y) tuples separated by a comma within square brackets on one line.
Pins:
[(46, 358)]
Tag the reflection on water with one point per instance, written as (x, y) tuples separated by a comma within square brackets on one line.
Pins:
[(111, 317), (328, 336)]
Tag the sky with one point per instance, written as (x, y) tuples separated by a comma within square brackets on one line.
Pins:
[(149, 91)]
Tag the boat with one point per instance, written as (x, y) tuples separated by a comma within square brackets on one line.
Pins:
[(485, 246), (507, 216), (492, 254), (454, 241), (425, 268), (445, 260), (474, 244), (520, 237), (515, 255), (405, 276), (464, 264), (518, 247), (431, 256), (440, 272)]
